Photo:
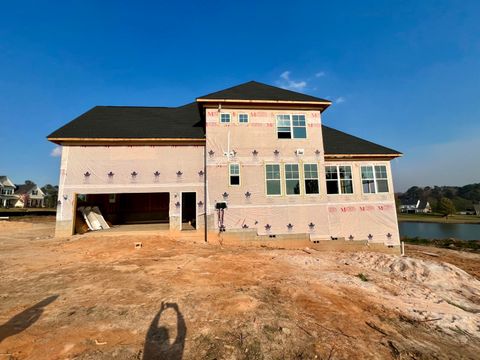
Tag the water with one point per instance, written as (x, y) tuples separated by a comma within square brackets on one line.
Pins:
[(440, 231)]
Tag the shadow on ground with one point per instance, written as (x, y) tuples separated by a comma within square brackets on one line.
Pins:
[(157, 340), (25, 319)]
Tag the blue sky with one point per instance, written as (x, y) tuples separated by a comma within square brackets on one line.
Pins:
[(405, 74)]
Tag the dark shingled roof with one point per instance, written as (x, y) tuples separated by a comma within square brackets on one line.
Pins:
[(131, 122), (253, 90), (336, 142), (24, 188)]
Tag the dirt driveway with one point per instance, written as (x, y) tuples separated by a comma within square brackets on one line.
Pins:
[(94, 297)]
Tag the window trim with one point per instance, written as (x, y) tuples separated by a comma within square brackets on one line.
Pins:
[(375, 179), (305, 178), (266, 180), (339, 180), (299, 179), (229, 116), (230, 175), (291, 115), (243, 122)]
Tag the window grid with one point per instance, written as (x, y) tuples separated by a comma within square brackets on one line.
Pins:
[(310, 172), (374, 179), (272, 179), (339, 179), (291, 127), (234, 174), (243, 118), (225, 118), (292, 179)]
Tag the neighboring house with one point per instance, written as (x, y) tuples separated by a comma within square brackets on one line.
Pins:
[(29, 195), (258, 150), (7, 189), (477, 209), (420, 207)]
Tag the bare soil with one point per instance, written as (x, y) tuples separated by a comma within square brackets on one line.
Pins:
[(97, 297)]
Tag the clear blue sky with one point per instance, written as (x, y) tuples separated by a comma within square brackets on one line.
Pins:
[(405, 74)]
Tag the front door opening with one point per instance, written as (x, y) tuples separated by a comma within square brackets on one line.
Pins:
[(189, 211)]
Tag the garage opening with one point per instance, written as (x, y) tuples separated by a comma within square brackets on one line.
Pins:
[(126, 209), (189, 211)]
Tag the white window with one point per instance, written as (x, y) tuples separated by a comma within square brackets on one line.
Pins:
[(272, 179), (34, 192), (339, 179), (291, 127), (310, 172), (234, 174), (292, 179), (225, 118), (374, 179), (243, 118)]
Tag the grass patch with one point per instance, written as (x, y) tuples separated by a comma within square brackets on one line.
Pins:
[(454, 244), (362, 277)]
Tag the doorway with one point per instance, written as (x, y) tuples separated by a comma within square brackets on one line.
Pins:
[(189, 211)]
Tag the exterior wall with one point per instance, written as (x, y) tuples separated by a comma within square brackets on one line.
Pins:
[(357, 214), (98, 161)]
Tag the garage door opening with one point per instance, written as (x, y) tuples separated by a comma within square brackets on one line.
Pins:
[(126, 209)]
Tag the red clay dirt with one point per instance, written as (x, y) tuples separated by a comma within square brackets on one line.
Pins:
[(97, 297)]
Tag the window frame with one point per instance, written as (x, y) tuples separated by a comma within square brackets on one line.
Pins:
[(310, 178), (375, 179), (229, 118), (339, 180), (299, 179), (290, 116), (279, 179), (230, 174), (243, 122)]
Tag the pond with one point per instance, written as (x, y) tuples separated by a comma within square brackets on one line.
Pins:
[(440, 231)]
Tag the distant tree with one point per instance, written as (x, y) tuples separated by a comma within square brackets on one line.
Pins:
[(446, 207), (29, 182), (51, 195)]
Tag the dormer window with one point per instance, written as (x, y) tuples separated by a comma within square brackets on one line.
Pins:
[(225, 118), (291, 126), (34, 192)]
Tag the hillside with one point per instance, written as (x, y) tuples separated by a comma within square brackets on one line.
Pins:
[(462, 197)]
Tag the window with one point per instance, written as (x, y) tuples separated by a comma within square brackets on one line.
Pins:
[(225, 118), (292, 179), (299, 127), (234, 174), (339, 179), (374, 179), (34, 192), (311, 178), (272, 177), (243, 118), (291, 127)]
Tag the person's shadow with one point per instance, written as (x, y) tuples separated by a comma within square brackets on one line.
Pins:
[(157, 341), (25, 319)]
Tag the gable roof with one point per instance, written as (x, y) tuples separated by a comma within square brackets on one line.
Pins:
[(336, 142), (26, 188), (5, 181), (134, 122), (254, 90)]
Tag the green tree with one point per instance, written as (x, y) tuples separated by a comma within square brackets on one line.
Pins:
[(446, 207), (51, 195)]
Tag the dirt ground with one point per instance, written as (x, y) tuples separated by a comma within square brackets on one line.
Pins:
[(97, 297)]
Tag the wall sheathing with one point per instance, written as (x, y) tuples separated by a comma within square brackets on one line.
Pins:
[(358, 215), (85, 169)]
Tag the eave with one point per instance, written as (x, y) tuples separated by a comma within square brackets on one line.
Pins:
[(361, 156), (127, 141)]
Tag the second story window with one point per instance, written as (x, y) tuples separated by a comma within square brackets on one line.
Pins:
[(225, 118), (374, 179), (243, 118), (34, 192), (311, 178), (234, 174), (291, 127), (339, 179), (272, 179), (292, 179)]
